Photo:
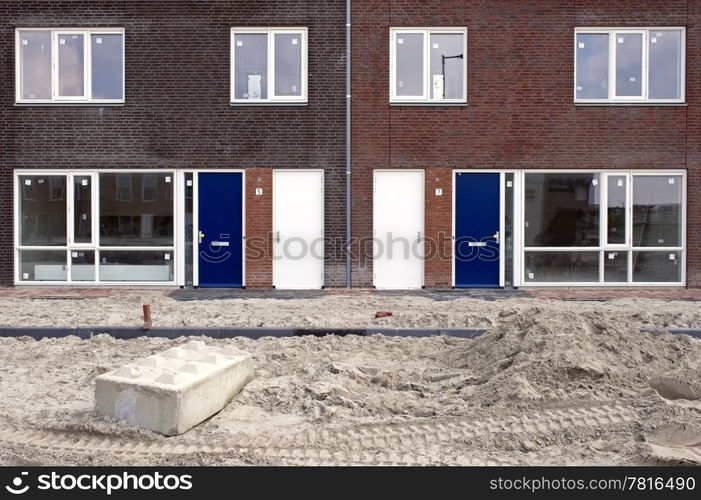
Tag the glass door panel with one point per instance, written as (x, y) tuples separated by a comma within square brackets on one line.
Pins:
[(617, 209)]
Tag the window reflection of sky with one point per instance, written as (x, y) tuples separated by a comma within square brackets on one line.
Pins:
[(592, 65)]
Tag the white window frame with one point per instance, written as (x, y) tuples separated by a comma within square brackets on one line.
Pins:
[(94, 216), (270, 65), (644, 66), (603, 219), (56, 64), (425, 98), (87, 69), (603, 246), (173, 250), (644, 98)]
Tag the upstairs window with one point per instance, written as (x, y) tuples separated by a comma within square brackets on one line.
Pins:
[(268, 65), (70, 66), (428, 65), (629, 65)]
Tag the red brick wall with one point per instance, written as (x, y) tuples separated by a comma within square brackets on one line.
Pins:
[(259, 228), (693, 143), (520, 94), (438, 268)]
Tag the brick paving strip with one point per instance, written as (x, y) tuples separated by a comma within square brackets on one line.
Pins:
[(567, 294)]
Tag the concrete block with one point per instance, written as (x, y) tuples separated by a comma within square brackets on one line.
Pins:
[(175, 390)]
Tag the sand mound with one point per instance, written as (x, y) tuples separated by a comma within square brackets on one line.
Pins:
[(548, 354)]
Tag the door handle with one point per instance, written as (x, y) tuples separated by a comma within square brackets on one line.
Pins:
[(277, 236), (496, 237), (418, 236), (201, 236)]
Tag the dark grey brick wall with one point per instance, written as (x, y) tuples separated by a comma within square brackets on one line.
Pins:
[(177, 112)]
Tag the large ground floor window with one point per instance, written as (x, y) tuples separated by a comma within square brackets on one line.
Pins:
[(95, 226), (603, 227)]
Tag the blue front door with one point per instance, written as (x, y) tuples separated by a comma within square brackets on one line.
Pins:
[(477, 222), (220, 251)]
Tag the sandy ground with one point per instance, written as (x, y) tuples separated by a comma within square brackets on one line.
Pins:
[(551, 382), (342, 311)]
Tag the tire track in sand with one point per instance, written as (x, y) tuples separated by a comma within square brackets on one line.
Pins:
[(373, 444)]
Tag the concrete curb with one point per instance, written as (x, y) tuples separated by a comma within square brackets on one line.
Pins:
[(119, 332), (127, 332)]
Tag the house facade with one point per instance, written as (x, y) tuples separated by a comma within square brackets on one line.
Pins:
[(548, 143), (141, 141), (492, 144)]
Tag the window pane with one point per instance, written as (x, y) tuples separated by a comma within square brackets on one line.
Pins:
[(42, 210), (562, 210), (615, 267), (657, 210), (35, 64), (616, 230), (71, 66), (447, 80), (136, 266), (562, 267), (107, 66), (288, 64), (665, 64), (409, 64), (136, 209), (629, 53), (251, 66), (657, 267), (42, 265), (82, 209), (83, 266), (592, 66)]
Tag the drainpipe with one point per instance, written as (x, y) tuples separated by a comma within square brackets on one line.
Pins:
[(348, 143)]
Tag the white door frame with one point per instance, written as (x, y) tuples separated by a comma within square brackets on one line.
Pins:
[(422, 217), (323, 219)]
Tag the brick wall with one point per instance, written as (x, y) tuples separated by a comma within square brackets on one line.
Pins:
[(177, 112), (521, 113), (259, 228), (693, 143), (439, 266)]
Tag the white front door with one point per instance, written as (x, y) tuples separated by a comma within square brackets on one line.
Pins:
[(398, 228), (298, 229)]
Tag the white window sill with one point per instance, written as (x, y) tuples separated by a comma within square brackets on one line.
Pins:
[(70, 104), (268, 103), (428, 103), (632, 103)]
